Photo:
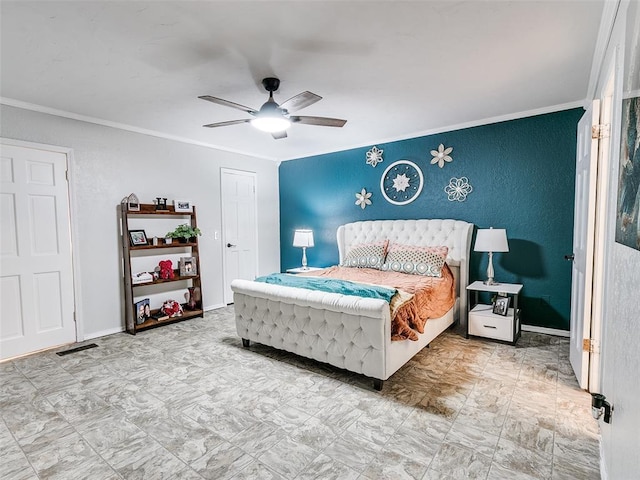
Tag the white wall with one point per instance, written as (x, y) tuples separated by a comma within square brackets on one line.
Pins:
[(621, 324), (108, 164)]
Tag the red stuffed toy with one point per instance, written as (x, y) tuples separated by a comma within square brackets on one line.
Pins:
[(166, 270)]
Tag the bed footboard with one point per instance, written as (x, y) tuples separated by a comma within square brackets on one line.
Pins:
[(345, 331)]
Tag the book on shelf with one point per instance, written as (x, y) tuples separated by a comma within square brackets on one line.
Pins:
[(159, 316), (142, 277)]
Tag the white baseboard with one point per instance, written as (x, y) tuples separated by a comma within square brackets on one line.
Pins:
[(546, 331), (111, 331), (603, 465), (214, 307), (103, 333)]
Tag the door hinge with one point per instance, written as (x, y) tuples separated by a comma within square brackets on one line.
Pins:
[(600, 131), (66, 175), (74, 317), (590, 345)]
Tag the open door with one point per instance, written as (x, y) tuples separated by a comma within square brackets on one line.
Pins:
[(583, 242)]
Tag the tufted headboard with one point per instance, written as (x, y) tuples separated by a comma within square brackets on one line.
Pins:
[(455, 234)]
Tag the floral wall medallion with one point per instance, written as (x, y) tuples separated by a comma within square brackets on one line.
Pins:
[(363, 198), (401, 182), (374, 156), (441, 155), (458, 189)]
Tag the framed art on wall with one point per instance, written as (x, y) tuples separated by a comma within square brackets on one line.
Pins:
[(628, 208)]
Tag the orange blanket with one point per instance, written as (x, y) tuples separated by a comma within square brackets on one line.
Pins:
[(428, 297)]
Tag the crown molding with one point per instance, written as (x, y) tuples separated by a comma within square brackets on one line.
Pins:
[(121, 126), (423, 133), (460, 126)]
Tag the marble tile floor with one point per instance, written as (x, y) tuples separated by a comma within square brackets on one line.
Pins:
[(187, 401)]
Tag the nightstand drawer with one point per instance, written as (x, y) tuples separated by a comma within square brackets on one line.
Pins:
[(483, 323)]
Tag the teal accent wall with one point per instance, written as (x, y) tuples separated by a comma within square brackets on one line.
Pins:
[(522, 173)]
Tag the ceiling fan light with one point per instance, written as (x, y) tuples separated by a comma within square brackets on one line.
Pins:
[(271, 124)]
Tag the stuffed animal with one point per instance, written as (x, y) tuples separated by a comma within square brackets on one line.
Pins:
[(166, 269)]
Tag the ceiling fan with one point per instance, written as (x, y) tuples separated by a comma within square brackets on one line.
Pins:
[(274, 118)]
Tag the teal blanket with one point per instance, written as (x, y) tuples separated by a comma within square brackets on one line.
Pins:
[(332, 285)]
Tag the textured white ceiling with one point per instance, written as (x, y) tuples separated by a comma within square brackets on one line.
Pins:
[(392, 69)]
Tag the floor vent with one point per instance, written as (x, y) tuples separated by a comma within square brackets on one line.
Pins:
[(77, 349)]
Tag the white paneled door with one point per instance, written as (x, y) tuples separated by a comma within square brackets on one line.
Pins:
[(36, 285), (583, 243), (240, 234)]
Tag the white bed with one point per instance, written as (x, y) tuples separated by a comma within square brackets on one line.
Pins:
[(350, 332)]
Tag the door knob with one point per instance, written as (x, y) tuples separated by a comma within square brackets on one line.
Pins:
[(231, 245), (570, 257)]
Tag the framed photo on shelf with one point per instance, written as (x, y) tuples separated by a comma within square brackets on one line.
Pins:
[(183, 205), (188, 267), (501, 306), (137, 237), (142, 311), (133, 204)]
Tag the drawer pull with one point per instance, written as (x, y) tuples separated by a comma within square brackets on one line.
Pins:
[(489, 326)]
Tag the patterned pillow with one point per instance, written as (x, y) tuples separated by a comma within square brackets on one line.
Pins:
[(366, 255), (426, 261)]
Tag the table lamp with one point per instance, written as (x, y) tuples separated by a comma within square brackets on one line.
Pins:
[(491, 240), (303, 238)]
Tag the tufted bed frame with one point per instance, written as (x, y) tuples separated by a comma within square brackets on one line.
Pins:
[(350, 332)]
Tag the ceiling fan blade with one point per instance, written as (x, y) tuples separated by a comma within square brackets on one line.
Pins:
[(300, 101), (227, 103), (322, 121), (224, 124), (279, 135)]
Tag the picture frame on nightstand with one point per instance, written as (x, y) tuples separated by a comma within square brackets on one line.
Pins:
[(501, 306)]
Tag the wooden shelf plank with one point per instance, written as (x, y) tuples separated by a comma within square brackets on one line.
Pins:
[(173, 245), (150, 209), (177, 278), (187, 314)]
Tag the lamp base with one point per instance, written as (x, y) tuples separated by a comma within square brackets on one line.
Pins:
[(490, 272)]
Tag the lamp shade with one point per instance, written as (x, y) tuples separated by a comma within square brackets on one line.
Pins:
[(303, 238), (491, 240)]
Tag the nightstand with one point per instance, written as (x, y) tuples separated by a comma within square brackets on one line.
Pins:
[(482, 322), (303, 270)]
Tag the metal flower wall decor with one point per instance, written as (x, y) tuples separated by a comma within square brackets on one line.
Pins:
[(374, 156), (441, 155), (458, 189), (363, 198)]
